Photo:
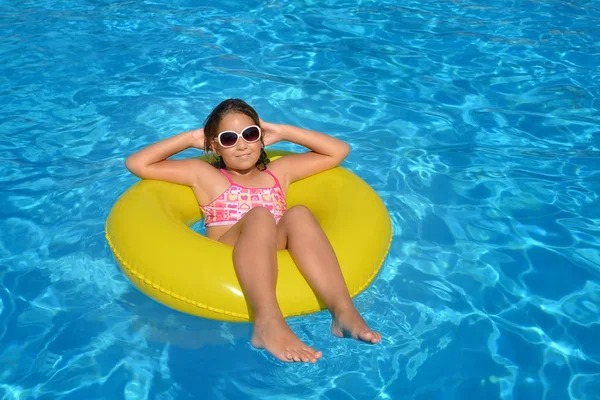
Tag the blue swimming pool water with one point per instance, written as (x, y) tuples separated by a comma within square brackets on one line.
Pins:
[(476, 121)]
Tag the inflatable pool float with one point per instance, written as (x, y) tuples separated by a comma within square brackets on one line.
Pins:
[(148, 230)]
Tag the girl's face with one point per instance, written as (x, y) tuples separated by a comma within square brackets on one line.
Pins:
[(242, 155)]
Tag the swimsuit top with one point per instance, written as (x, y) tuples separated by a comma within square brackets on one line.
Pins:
[(237, 200)]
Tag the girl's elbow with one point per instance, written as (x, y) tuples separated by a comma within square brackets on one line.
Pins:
[(344, 151), (130, 164), (340, 155), (134, 166)]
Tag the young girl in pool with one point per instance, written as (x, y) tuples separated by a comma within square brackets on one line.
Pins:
[(236, 135)]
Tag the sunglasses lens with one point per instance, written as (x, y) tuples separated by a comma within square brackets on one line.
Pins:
[(228, 139), (251, 134)]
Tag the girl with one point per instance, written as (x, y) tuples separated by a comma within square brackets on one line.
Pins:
[(236, 135)]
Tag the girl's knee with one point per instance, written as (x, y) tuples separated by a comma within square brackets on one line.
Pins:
[(299, 215), (261, 214), (299, 211)]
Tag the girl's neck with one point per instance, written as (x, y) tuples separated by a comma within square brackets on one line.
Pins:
[(243, 173)]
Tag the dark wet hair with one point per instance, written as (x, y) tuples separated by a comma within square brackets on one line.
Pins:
[(211, 125)]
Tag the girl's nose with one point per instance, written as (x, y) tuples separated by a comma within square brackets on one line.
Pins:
[(241, 144)]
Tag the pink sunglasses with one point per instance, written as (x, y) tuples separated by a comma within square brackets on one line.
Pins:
[(251, 134)]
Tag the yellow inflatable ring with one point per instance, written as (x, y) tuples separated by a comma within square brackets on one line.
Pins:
[(148, 230)]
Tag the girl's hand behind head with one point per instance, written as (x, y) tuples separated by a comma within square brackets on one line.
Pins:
[(272, 133), (198, 138)]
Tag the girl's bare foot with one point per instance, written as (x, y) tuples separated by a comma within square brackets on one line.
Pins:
[(349, 323), (275, 336)]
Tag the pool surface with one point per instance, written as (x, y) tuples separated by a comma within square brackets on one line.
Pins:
[(477, 122)]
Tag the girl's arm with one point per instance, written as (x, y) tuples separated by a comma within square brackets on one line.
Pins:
[(326, 151), (152, 162)]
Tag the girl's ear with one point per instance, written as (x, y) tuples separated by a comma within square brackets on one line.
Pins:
[(214, 148)]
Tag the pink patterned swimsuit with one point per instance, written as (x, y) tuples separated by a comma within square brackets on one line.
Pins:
[(237, 200)]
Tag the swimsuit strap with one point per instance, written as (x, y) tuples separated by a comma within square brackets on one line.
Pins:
[(274, 177), (266, 170), (227, 176)]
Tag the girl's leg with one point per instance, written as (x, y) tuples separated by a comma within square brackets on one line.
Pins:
[(299, 232), (255, 259)]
